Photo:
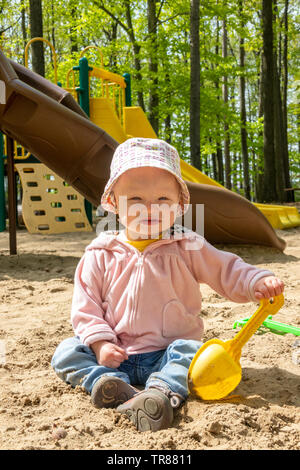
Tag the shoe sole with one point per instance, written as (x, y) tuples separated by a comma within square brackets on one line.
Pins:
[(110, 392), (148, 412)]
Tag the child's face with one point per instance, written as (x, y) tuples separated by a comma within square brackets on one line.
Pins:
[(147, 199)]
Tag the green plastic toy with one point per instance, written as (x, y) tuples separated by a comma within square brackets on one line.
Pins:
[(273, 326)]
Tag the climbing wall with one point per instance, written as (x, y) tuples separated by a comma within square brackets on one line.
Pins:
[(49, 204)]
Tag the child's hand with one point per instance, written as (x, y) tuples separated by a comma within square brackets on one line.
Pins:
[(109, 354), (112, 355), (267, 287)]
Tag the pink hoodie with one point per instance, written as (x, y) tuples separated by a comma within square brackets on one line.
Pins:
[(143, 301)]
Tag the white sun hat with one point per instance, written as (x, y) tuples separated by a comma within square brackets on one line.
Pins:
[(140, 152)]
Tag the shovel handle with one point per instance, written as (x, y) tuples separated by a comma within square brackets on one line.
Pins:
[(267, 307)]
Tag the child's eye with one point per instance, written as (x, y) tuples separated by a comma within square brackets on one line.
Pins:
[(163, 197)]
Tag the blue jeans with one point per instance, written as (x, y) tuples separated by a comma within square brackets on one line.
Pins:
[(76, 364)]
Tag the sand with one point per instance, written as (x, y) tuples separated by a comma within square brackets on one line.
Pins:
[(39, 411)]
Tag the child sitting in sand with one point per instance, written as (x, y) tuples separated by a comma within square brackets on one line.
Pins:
[(136, 301)]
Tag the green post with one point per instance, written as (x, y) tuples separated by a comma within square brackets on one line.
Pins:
[(127, 79), (83, 90), (2, 189), (84, 101)]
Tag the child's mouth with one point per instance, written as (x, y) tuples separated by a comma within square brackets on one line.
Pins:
[(150, 221)]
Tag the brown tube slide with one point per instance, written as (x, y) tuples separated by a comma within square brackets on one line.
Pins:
[(48, 122)]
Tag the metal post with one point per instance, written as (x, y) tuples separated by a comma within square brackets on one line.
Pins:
[(127, 79), (2, 188), (12, 203), (84, 101)]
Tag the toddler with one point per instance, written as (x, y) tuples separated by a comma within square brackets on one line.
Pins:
[(136, 302)]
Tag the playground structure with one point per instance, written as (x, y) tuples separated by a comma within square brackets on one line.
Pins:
[(49, 204), (48, 121)]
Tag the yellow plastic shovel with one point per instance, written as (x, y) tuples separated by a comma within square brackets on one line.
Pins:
[(215, 369)]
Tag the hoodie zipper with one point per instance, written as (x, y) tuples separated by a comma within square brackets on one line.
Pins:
[(139, 265)]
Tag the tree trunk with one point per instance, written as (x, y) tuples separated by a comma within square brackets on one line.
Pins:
[(286, 163), (259, 177), (279, 133), (153, 65), (73, 28), (226, 126), (214, 164), (195, 84), (136, 53), (278, 118), (111, 34), (128, 28), (235, 178), (244, 144), (269, 186), (36, 30), (167, 120), (298, 130), (219, 154), (168, 129), (23, 25), (220, 164), (53, 26), (278, 137)]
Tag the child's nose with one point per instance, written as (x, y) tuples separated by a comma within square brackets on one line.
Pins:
[(148, 205), (152, 207)]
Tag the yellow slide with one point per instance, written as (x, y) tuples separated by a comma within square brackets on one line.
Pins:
[(280, 217), (103, 115), (136, 124)]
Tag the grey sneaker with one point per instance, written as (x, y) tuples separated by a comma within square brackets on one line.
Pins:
[(149, 410), (109, 392)]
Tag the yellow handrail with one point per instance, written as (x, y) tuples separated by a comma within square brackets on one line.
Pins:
[(70, 89), (106, 75), (112, 85), (92, 47), (53, 53)]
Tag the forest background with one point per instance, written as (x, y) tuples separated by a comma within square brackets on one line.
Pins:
[(218, 79)]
